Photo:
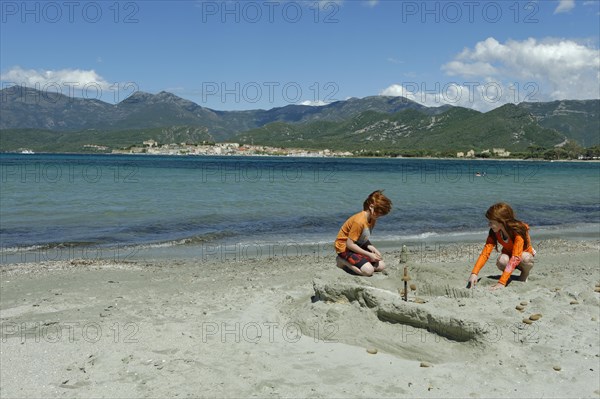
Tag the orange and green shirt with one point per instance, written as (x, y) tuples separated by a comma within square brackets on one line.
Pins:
[(357, 228), (512, 248)]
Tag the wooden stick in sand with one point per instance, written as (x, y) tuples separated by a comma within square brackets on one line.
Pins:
[(406, 279)]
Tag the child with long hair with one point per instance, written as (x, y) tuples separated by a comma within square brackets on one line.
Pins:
[(355, 252), (513, 236)]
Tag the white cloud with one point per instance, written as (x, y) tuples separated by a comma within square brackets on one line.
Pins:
[(556, 68), (564, 6), (395, 90), (69, 82), (313, 103), (482, 96), (493, 73), (75, 78), (454, 68), (528, 58)]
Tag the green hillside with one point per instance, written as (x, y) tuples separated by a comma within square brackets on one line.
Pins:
[(578, 120), (506, 127), (49, 141), (370, 124)]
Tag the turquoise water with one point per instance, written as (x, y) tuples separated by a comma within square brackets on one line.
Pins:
[(61, 206)]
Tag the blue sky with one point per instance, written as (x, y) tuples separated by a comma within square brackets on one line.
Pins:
[(237, 55)]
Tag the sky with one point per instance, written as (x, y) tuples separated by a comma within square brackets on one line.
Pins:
[(242, 55)]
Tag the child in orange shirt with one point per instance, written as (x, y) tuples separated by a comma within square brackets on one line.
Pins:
[(355, 251), (513, 235)]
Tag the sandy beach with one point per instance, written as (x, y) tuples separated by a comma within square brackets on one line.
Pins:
[(300, 327)]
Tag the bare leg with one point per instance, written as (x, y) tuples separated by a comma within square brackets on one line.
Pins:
[(380, 266), (502, 261), (365, 270), (525, 266)]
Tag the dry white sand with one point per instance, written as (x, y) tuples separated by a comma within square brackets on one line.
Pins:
[(300, 327)]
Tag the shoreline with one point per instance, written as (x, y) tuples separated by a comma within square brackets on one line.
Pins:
[(307, 157), (291, 327), (264, 249)]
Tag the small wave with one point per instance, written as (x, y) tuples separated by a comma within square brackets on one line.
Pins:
[(432, 234), (166, 244), (13, 250), (194, 240), (48, 246), (427, 234)]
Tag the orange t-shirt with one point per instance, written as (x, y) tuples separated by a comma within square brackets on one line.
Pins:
[(357, 228), (509, 247)]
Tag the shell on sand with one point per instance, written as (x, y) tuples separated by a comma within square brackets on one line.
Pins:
[(557, 368), (524, 303), (413, 287), (597, 289), (425, 364), (519, 307), (535, 316), (574, 302), (372, 351), (527, 321)]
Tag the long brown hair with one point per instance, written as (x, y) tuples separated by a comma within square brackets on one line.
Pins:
[(504, 214)]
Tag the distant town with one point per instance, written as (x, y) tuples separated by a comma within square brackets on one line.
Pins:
[(154, 148)]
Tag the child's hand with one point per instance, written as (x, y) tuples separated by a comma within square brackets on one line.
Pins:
[(374, 250), (472, 280), (497, 286), (375, 257)]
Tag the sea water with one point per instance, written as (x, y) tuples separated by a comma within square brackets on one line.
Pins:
[(56, 206)]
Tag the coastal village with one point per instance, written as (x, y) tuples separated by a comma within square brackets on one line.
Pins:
[(152, 147)]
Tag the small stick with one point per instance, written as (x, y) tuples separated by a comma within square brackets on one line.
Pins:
[(405, 278)]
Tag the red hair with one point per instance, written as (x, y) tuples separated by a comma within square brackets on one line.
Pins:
[(380, 203), (504, 214)]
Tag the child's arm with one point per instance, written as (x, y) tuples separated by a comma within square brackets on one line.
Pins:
[(484, 255), (490, 243), (514, 261), (352, 246), (372, 248)]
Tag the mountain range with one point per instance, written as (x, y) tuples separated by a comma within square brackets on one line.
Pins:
[(375, 122)]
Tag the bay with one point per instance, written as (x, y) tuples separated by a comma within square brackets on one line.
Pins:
[(57, 206)]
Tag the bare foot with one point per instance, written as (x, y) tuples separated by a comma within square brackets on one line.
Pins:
[(523, 276), (525, 269)]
